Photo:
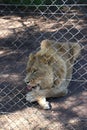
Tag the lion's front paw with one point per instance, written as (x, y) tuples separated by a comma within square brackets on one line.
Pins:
[(47, 106), (30, 97), (44, 104)]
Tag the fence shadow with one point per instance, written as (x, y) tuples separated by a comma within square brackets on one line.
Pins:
[(19, 41)]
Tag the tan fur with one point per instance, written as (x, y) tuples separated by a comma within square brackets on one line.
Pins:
[(50, 69)]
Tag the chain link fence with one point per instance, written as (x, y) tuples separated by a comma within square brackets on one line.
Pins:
[(23, 25)]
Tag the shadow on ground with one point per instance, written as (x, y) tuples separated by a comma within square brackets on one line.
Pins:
[(19, 37)]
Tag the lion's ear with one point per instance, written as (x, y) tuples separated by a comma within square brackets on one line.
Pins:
[(75, 50), (30, 61), (45, 44), (31, 56)]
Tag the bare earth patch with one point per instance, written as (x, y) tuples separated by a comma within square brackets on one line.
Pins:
[(21, 35)]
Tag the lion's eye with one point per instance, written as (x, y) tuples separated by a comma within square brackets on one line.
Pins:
[(35, 70)]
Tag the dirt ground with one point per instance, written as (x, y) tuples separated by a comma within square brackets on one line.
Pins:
[(20, 34)]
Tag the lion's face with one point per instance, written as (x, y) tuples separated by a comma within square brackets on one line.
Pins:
[(38, 72)]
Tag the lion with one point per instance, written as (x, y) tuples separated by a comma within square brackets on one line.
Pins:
[(49, 71)]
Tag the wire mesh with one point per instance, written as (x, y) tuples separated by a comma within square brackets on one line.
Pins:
[(23, 26)]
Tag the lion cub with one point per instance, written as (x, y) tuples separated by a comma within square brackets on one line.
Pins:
[(49, 71)]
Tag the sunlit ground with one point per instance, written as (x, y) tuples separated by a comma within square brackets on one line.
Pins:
[(68, 113)]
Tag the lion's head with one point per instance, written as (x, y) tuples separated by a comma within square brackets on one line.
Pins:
[(50, 66), (38, 72)]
